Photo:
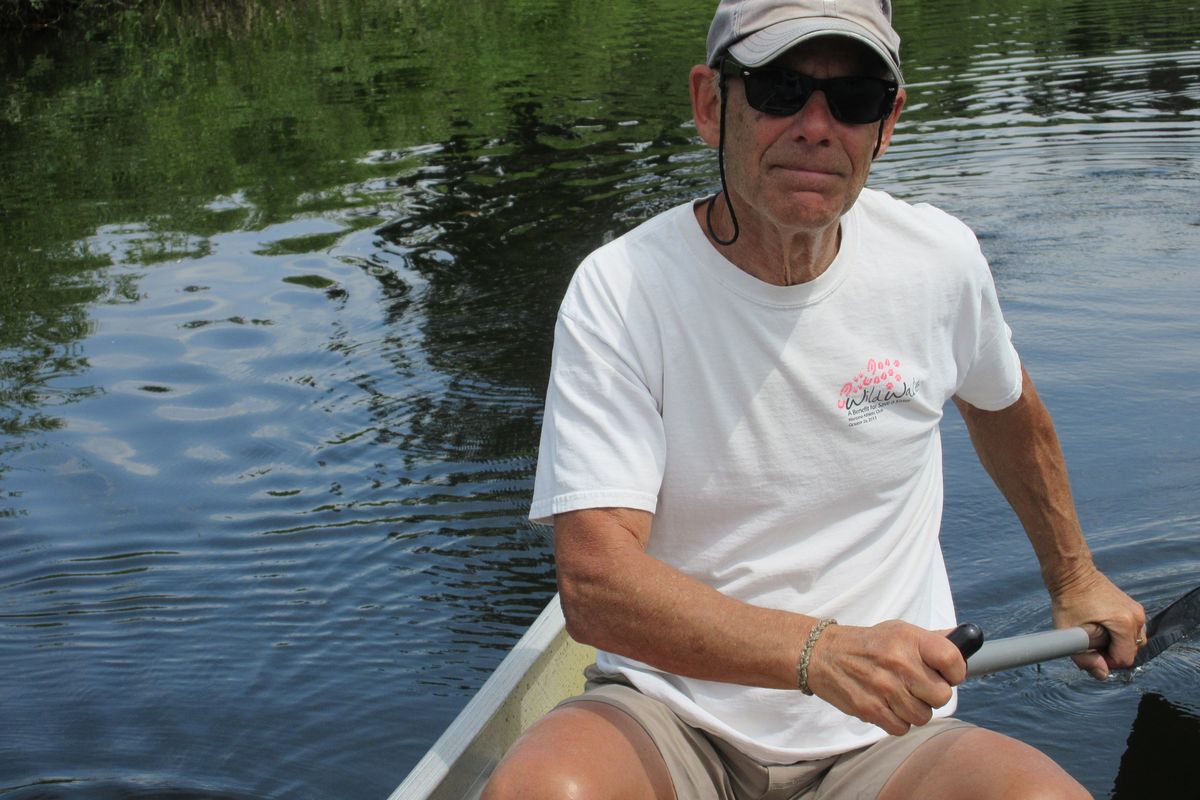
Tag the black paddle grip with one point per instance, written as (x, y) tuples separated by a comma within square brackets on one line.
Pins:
[(967, 637)]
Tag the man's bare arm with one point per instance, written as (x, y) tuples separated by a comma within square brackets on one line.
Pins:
[(617, 597), (620, 599), (1019, 448)]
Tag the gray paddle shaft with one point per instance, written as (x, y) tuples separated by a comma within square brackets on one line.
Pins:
[(1017, 651)]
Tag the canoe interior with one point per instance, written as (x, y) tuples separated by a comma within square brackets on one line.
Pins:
[(544, 667)]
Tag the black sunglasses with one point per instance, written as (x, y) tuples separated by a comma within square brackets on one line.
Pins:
[(781, 92)]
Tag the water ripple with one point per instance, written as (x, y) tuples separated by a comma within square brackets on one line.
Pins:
[(266, 462)]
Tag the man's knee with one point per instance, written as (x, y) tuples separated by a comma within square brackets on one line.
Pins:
[(516, 779), (585, 751), (1001, 769)]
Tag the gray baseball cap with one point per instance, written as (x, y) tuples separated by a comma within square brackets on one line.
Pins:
[(757, 31)]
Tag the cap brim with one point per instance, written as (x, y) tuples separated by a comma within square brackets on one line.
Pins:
[(768, 44)]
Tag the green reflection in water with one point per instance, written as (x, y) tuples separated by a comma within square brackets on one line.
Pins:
[(189, 123)]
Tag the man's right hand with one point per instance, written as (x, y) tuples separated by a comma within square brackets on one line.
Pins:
[(892, 674)]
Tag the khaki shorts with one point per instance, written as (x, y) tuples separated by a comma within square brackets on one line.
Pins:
[(705, 768)]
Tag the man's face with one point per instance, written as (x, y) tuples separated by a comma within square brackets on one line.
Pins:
[(802, 172)]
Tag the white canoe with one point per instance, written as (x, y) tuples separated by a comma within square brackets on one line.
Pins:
[(544, 667)]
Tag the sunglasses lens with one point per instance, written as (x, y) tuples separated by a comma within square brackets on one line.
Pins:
[(776, 92), (783, 92), (858, 100)]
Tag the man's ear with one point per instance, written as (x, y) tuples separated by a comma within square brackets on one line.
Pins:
[(890, 124), (706, 103)]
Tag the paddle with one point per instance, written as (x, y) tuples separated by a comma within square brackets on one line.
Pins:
[(1176, 621)]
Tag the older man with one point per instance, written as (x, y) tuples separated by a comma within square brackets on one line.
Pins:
[(741, 459)]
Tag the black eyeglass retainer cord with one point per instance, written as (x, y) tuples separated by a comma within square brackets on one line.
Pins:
[(712, 201)]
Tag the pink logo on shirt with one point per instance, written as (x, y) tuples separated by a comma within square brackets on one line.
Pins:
[(882, 383)]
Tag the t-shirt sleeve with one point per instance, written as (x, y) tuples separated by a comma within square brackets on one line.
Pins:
[(989, 367), (602, 441)]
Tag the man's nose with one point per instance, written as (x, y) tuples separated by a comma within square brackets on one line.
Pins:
[(814, 120)]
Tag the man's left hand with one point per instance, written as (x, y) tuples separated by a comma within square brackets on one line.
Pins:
[(1092, 598)]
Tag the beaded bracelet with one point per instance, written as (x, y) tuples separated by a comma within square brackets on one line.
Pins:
[(806, 654)]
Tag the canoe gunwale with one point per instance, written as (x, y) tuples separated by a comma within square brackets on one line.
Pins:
[(544, 667)]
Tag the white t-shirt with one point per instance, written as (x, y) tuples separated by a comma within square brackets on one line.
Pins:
[(785, 438)]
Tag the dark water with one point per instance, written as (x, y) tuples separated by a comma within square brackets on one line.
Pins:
[(276, 294)]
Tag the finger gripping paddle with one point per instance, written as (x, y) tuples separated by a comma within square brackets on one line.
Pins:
[(967, 637)]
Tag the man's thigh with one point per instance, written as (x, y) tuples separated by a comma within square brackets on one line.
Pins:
[(979, 764), (867, 771)]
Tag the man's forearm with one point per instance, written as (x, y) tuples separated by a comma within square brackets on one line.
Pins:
[(620, 599), (1019, 448)]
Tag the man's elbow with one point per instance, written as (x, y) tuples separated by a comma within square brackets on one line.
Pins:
[(594, 551), (580, 607)]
